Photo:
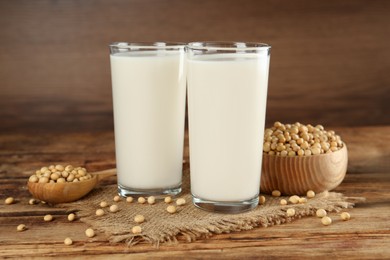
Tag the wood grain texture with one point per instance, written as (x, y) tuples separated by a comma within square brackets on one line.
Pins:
[(365, 236), (329, 61), (329, 65), (298, 174)]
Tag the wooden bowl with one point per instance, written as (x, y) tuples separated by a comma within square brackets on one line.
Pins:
[(296, 175)]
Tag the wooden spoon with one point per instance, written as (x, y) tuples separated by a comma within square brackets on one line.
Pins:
[(67, 191)]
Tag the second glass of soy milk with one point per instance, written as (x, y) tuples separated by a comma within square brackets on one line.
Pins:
[(149, 88), (227, 93)]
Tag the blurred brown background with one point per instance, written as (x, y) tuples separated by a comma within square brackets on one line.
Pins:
[(330, 60)]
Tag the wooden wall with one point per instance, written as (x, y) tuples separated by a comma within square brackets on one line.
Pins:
[(330, 60)]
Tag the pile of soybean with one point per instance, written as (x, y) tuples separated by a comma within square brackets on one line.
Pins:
[(60, 174), (300, 140)]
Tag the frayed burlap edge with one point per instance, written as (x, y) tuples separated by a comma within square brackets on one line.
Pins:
[(330, 201)]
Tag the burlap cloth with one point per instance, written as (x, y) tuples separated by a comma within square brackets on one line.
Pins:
[(190, 222)]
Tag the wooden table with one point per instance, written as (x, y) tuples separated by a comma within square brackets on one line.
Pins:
[(365, 236)]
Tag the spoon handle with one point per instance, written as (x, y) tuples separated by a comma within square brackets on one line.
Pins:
[(105, 173)]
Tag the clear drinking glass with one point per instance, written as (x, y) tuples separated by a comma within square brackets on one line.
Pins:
[(149, 88), (227, 92)]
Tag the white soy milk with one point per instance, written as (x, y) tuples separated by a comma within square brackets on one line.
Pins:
[(149, 104), (226, 101)]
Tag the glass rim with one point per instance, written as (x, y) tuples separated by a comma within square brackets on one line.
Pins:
[(228, 45), (148, 45)]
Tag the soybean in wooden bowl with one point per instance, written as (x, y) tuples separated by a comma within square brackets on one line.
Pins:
[(295, 173)]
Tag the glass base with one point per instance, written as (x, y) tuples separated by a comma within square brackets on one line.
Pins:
[(126, 192), (226, 206)]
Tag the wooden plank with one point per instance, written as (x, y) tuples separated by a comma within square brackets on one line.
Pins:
[(368, 148), (21, 154), (365, 235), (331, 54)]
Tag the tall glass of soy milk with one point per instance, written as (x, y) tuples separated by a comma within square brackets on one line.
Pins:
[(149, 93), (227, 93)]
